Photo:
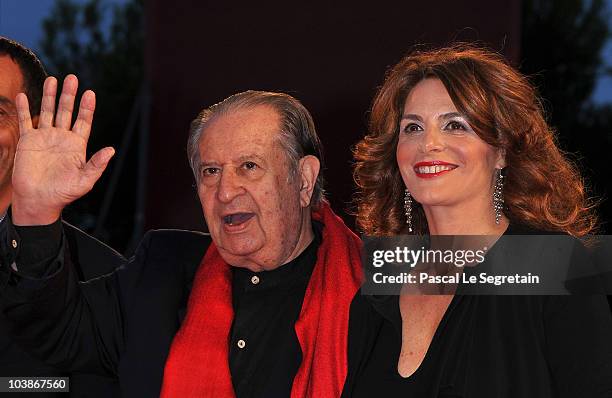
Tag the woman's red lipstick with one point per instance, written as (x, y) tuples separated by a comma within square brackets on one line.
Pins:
[(433, 168)]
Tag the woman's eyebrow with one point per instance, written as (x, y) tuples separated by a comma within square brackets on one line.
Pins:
[(412, 116), (450, 115)]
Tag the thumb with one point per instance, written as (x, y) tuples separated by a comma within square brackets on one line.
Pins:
[(96, 165)]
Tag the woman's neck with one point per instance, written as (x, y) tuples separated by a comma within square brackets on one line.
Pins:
[(472, 218)]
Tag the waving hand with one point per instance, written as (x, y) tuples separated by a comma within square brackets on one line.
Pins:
[(51, 169)]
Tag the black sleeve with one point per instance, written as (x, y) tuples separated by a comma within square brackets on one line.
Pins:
[(73, 325), (36, 252), (42, 245), (579, 344), (364, 326)]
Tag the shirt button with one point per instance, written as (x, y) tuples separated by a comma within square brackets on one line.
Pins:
[(14, 243), (241, 343), (255, 280)]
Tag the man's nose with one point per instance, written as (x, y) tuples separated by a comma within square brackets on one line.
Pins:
[(230, 185)]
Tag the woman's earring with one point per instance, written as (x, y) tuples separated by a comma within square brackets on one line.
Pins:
[(408, 209), (498, 196)]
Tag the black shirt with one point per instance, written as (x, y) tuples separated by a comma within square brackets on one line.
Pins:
[(486, 346), (494, 346), (265, 353)]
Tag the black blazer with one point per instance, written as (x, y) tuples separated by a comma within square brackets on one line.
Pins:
[(121, 324), (91, 258)]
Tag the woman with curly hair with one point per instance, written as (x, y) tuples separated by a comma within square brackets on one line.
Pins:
[(458, 145)]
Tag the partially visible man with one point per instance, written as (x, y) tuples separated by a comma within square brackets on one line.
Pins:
[(21, 71), (261, 311)]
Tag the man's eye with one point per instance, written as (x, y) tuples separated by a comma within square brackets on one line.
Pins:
[(249, 165), (210, 171), (411, 127)]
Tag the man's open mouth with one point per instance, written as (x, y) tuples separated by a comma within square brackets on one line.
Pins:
[(237, 218)]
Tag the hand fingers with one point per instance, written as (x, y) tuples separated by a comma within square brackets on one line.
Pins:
[(82, 125), (96, 165), (63, 119), (23, 112), (47, 107)]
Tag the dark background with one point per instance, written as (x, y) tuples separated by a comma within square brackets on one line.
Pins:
[(331, 57), (155, 65)]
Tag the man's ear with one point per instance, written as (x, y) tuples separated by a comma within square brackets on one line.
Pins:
[(308, 169), (35, 121)]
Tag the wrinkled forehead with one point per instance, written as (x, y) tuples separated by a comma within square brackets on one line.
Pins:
[(239, 131)]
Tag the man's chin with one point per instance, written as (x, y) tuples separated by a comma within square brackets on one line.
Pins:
[(239, 255)]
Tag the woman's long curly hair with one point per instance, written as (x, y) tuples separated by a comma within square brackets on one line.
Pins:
[(542, 187)]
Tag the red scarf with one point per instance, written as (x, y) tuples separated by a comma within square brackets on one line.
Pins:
[(197, 365)]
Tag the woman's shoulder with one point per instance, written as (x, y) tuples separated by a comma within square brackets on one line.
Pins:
[(521, 228)]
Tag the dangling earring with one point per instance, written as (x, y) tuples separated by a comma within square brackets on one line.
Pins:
[(498, 196), (408, 209)]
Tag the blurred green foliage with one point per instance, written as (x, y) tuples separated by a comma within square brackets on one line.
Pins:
[(102, 43), (562, 45)]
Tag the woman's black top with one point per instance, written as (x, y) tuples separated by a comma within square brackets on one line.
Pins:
[(486, 346)]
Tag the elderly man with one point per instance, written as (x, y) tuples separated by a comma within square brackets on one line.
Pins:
[(21, 71), (261, 311)]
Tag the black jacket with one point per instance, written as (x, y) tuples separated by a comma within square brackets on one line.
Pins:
[(91, 258), (138, 310)]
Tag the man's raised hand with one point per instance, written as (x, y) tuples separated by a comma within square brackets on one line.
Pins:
[(51, 169)]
